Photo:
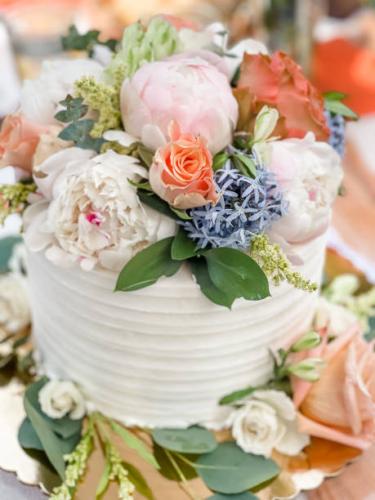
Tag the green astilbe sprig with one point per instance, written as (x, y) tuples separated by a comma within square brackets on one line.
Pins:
[(118, 473), (270, 257), (102, 98), (14, 198), (76, 466)]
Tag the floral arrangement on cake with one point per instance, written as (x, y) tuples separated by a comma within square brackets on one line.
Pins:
[(167, 148)]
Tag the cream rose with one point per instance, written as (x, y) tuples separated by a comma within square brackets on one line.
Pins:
[(60, 398), (14, 303), (267, 421), (94, 216)]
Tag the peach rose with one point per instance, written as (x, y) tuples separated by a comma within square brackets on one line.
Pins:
[(278, 81), (181, 173), (340, 407), (18, 141)]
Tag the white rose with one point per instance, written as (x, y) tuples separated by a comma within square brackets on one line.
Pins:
[(337, 319), (14, 303), (95, 215), (60, 398), (310, 173), (40, 97), (267, 421)]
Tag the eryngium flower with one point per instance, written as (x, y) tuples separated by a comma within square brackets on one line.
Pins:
[(336, 125), (246, 207)]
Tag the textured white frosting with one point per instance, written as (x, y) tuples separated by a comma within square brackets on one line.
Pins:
[(162, 356)]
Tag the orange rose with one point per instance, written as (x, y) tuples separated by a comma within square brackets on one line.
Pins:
[(181, 173), (278, 81), (18, 141), (340, 407)]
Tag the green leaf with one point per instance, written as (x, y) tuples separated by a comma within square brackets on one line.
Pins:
[(334, 96), (230, 470), (75, 109), (147, 266), (194, 440), (86, 41), (237, 274), (104, 480), (241, 496), (181, 214), (339, 108), (249, 165), (144, 186), (208, 288), (79, 133), (219, 161), (50, 442), (153, 201), (236, 396), (182, 247), (166, 468), (28, 438), (7, 246), (136, 444), (145, 154), (140, 483)]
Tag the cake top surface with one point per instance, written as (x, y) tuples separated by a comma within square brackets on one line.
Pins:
[(171, 146)]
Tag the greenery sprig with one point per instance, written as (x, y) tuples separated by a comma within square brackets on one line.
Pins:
[(85, 41), (333, 103)]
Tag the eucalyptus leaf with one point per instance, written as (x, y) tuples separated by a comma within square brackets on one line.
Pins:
[(140, 483), (230, 470), (236, 396), (75, 40), (370, 334), (147, 266), (182, 247), (339, 108), (153, 201), (194, 440), (135, 443), (28, 438), (208, 288), (75, 109), (166, 468), (7, 246), (237, 274), (241, 496), (79, 133)]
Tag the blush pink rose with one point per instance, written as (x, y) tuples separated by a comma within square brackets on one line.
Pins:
[(188, 90), (340, 407), (279, 82), (18, 141), (181, 173)]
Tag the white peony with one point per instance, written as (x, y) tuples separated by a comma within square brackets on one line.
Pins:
[(40, 97), (94, 215), (14, 303), (310, 173), (267, 421), (60, 398)]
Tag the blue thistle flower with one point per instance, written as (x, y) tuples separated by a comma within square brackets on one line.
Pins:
[(246, 207), (336, 125)]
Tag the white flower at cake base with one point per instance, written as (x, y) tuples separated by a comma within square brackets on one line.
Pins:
[(40, 97), (310, 173), (14, 303), (60, 398), (267, 421), (95, 215)]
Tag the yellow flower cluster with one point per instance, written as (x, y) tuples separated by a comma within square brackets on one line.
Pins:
[(275, 264)]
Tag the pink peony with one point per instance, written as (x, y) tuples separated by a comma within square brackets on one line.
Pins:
[(340, 407), (188, 90), (181, 173), (18, 141)]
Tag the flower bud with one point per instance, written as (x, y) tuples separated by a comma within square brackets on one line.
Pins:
[(265, 123), (308, 341), (308, 370)]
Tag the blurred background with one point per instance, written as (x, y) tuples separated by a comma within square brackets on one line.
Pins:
[(333, 40)]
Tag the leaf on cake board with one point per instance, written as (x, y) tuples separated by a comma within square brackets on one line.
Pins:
[(147, 266), (241, 496), (194, 440), (104, 480), (208, 288), (135, 443), (140, 483), (230, 470), (168, 470), (237, 273)]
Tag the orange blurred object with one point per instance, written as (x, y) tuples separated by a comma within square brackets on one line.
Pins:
[(346, 67)]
